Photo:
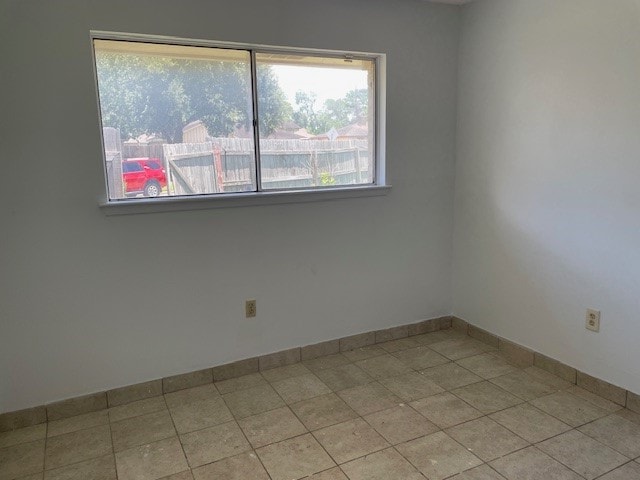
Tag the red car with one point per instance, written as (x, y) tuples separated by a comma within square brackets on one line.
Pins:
[(143, 175)]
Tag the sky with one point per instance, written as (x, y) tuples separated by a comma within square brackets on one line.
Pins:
[(324, 82)]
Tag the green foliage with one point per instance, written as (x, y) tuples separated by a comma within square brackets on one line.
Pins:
[(273, 107), (326, 179), (305, 114), (336, 113), (154, 95)]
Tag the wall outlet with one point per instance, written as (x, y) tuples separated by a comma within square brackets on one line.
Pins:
[(593, 320), (250, 308)]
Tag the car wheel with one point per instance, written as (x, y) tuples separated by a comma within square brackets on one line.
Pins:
[(152, 189)]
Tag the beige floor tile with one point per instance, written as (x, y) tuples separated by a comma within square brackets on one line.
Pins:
[(630, 471), (420, 358), (326, 362), (483, 472), (385, 465), (343, 377), (141, 407), (236, 369), (295, 458), (570, 409), (486, 438), (190, 395), (487, 365), (20, 460), (200, 414), (369, 398), (300, 388), (411, 386), (451, 375), (438, 456), (186, 475), (547, 378), (601, 388), (279, 359), (363, 353), (530, 423), (78, 446), (400, 424), (532, 464), (23, 435), (151, 461), (331, 474), (457, 349), (288, 371), (75, 406), (271, 427), (102, 468), (398, 345), (140, 430), (133, 393), (79, 422), (523, 385), (322, 349), (240, 383), (597, 400), (252, 401), (383, 366), (349, 440), (35, 476), (245, 466), (323, 411), (187, 380), (629, 415), (582, 454), (486, 397), (446, 410), (617, 433), (214, 443), (440, 336)]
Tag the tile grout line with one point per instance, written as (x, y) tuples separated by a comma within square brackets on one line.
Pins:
[(523, 401), (308, 430), (434, 325), (186, 459), (253, 449), (614, 468), (113, 448), (44, 453), (498, 387)]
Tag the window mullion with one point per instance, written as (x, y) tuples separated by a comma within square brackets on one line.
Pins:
[(256, 123)]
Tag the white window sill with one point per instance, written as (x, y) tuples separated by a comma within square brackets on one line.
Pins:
[(202, 202)]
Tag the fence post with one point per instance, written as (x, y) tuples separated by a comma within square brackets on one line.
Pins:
[(356, 158), (218, 178), (314, 167), (113, 157)]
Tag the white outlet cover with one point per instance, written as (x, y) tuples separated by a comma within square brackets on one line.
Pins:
[(592, 321)]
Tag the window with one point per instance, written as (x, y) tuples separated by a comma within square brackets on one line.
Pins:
[(185, 118)]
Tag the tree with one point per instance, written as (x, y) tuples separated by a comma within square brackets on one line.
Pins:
[(273, 107), (305, 114), (350, 109), (151, 95), (336, 113)]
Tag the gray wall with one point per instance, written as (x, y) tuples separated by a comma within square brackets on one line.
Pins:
[(89, 302), (547, 219)]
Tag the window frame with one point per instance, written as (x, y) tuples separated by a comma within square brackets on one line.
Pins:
[(259, 197)]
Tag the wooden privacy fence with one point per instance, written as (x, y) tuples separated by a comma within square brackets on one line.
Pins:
[(227, 164)]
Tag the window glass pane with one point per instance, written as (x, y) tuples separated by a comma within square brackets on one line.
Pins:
[(128, 167), (184, 113), (323, 135)]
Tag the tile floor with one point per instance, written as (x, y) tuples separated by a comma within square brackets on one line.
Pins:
[(436, 406)]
